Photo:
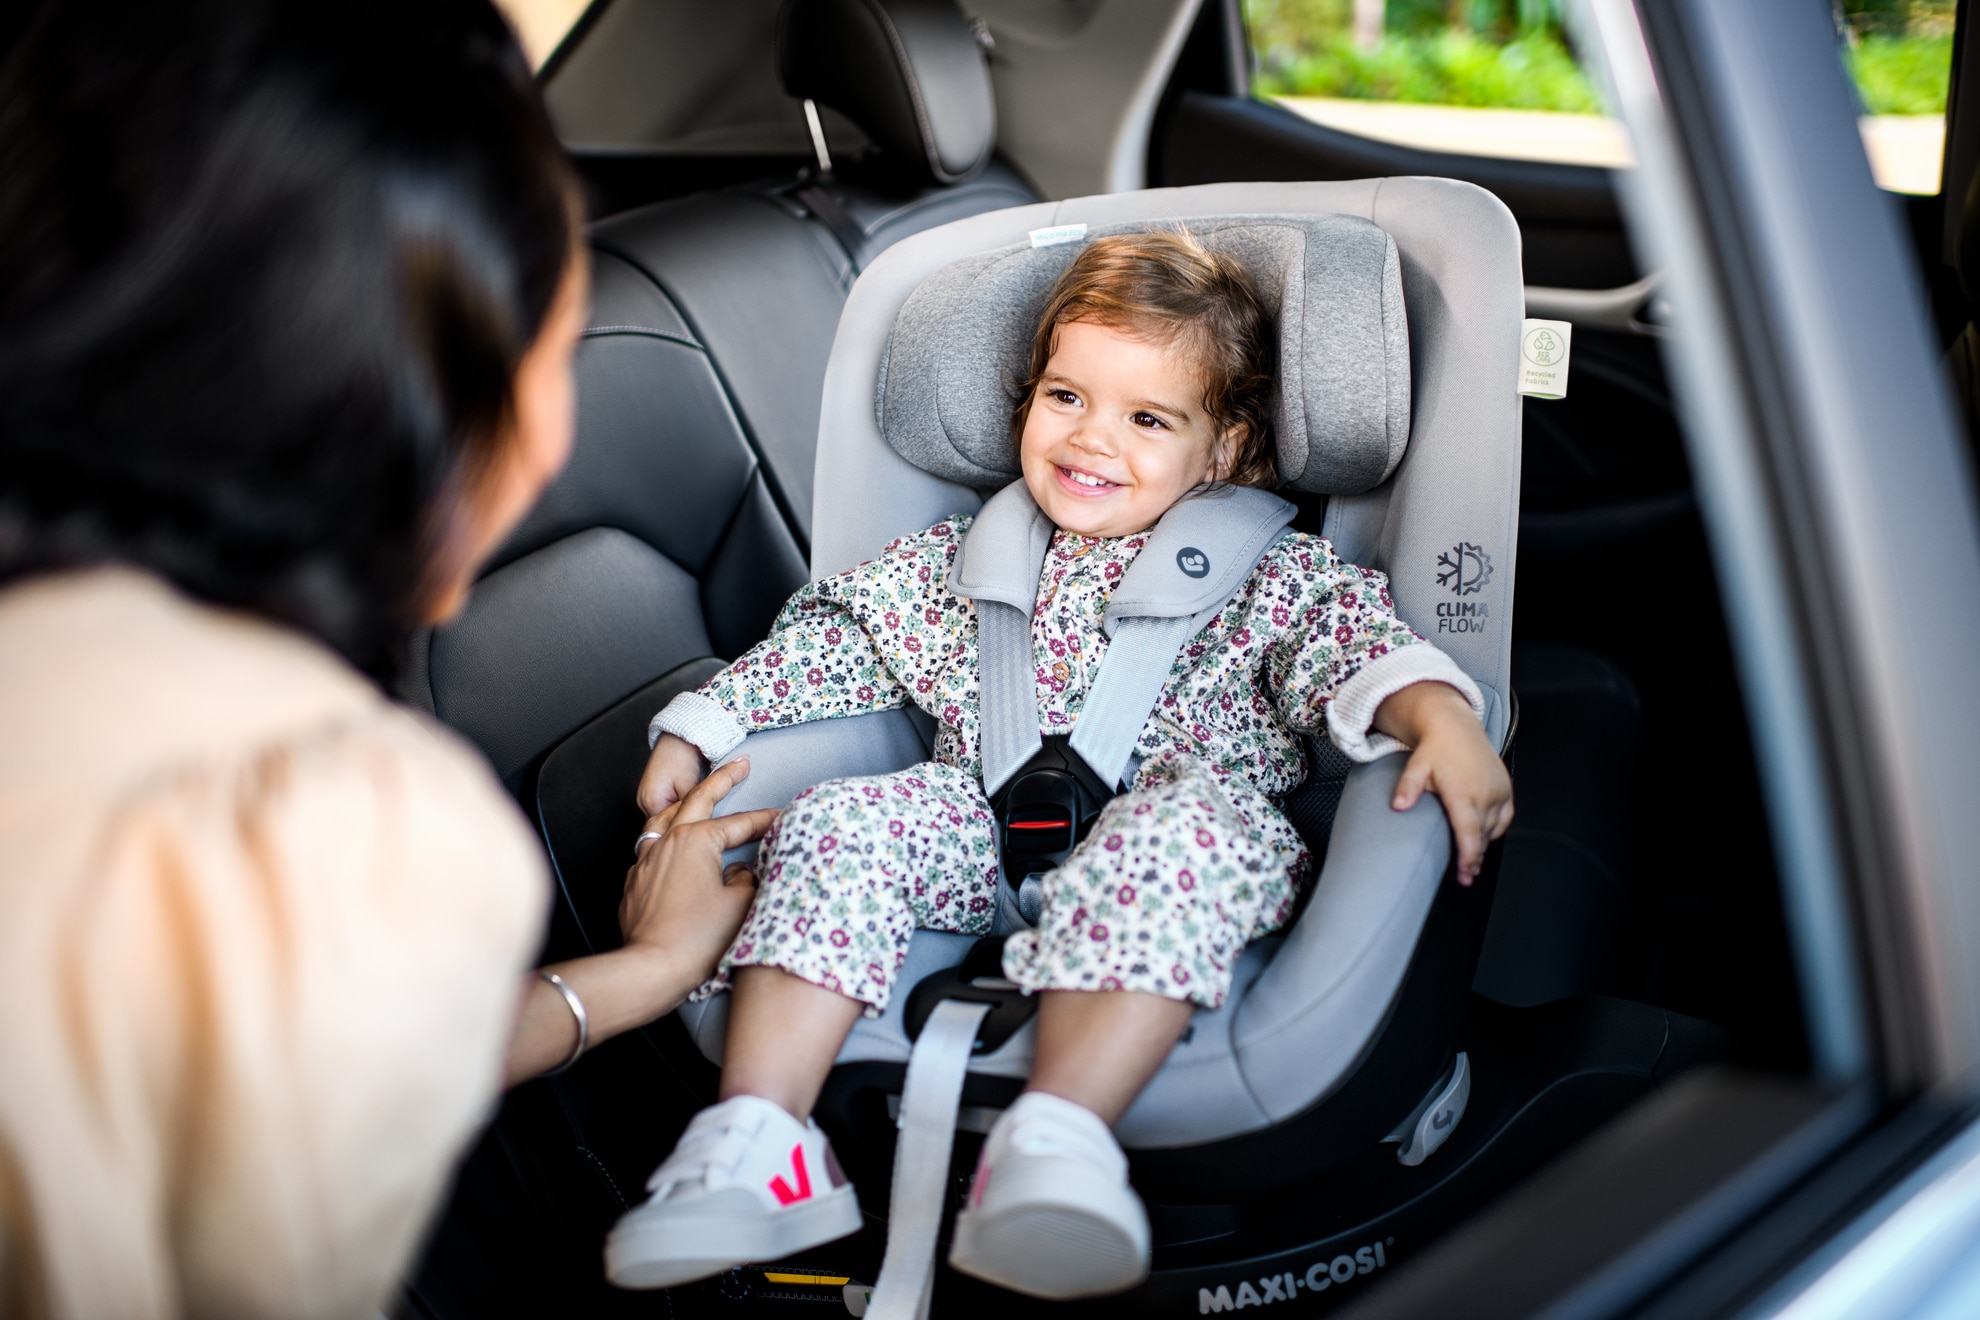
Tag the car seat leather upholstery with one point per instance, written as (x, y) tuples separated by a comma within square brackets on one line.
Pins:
[(905, 71), (683, 520)]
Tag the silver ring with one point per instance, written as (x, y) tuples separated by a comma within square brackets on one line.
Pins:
[(577, 1011), (641, 840)]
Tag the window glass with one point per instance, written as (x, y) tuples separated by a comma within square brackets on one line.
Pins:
[(1480, 77), (1899, 53), (1500, 78), (541, 24)]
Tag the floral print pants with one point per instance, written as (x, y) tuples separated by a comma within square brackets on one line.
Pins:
[(1161, 897)]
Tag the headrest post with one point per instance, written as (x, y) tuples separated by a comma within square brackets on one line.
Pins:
[(817, 127)]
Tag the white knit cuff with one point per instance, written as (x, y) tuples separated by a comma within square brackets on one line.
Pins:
[(701, 720), (1351, 714)]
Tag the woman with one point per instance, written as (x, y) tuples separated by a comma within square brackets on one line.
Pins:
[(288, 297)]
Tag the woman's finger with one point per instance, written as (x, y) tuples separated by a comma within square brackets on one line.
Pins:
[(662, 821), (739, 873), (700, 802), (726, 832)]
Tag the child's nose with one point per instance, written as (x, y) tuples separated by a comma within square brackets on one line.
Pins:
[(1093, 440)]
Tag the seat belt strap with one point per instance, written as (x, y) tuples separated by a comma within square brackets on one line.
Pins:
[(1129, 683), (929, 1104), (1008, 719)]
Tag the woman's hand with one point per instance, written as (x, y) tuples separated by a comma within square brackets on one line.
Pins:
[(680, 902), (671, 773), (1453, 760), (680, 911)]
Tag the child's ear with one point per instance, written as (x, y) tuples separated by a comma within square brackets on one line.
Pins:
[(1225, 450)]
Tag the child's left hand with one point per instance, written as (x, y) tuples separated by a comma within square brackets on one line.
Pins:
[(1453, 760)]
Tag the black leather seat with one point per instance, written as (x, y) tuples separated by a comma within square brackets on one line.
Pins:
[(683, 520)]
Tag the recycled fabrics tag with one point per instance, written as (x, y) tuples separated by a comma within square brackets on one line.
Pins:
[(1057, 234), (1543, 358)]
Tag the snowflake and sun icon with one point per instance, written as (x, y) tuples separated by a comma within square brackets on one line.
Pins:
[(1465, 568)]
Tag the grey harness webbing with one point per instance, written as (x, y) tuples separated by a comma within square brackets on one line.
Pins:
[(1196, 559)]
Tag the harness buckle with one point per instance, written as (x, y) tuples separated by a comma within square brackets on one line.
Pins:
[(1043, 812)]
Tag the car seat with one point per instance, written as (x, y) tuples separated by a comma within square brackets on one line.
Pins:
[(1334, 1033), (1342, 1033), (682, 521)]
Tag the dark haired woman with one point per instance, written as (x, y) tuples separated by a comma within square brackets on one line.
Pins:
[(288, 296)]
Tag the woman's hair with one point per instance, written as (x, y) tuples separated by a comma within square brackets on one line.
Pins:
[(267, 270), (1165, 286)]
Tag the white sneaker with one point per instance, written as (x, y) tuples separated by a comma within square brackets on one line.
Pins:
[(747, 1182), (1050, 1212)]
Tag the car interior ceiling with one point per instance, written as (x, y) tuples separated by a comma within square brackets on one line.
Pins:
[(1639, 869)]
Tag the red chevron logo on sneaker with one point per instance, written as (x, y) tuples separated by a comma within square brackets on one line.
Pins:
[(782, 1190)]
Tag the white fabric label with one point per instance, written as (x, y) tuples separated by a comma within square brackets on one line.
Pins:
[(1543, 358), (1057, 234)]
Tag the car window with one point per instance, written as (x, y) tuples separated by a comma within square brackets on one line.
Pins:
[(541, 24), (1501, 78), (1899, 54)]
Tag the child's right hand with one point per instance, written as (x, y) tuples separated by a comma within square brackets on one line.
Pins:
[(672, 771)]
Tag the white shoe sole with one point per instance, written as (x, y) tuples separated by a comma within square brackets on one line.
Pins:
[(1045, 1246), (661, 1252)]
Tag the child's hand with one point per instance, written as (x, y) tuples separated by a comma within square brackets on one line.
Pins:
[(1453, 760), (671, 772)]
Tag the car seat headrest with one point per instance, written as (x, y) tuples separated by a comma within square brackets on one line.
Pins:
[(908, 72), (961, 346)]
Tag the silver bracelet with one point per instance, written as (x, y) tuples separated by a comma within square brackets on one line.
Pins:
[(577, 1011)]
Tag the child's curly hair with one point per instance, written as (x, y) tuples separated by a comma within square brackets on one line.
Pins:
[(1167, 287)]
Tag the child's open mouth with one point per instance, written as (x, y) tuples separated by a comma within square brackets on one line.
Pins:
[(1084, 483)]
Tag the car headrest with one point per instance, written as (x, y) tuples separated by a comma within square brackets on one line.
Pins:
[(908, 72), (961, 346)]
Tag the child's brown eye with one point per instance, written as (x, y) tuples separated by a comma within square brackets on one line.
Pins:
[(1063, 396), (1148, 420)]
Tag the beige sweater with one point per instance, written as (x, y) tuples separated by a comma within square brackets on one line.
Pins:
[(261, 935)]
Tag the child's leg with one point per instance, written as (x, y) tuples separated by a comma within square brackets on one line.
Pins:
[(1099, 1049), (1175, 879), (784, 1033), (851, 868), (1141, 925)]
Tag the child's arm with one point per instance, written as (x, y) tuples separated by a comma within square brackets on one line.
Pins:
[(844, 645), (1452, 759)]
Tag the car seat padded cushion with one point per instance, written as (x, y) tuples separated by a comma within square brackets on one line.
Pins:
[(961, 346)]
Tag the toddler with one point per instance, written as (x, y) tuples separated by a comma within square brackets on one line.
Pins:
[(1149, 381)]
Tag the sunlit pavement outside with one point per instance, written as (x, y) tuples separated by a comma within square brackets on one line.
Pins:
[(1904, 150)]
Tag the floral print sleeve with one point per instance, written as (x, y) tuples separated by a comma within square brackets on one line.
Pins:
[(1346, 650), (856, 642)]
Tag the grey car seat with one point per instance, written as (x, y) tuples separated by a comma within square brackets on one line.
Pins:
[(1336, 1033), (683, 519)]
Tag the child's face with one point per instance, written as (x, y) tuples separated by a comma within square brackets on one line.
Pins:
[(1117, 432)]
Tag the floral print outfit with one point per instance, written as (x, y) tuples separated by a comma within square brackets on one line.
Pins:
[(1179, 872)]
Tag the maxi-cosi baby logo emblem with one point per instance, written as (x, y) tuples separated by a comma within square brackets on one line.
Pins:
[(1466, 569), (1193, 561)]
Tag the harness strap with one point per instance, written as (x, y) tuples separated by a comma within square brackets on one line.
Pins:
[(1130, 682), (929, 1104), (1008, 710)]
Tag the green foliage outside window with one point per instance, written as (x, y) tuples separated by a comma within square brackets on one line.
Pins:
[(1515, 54)]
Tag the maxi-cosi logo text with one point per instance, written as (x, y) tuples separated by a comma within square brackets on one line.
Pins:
[(1466, 569), (1319, 1276)]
